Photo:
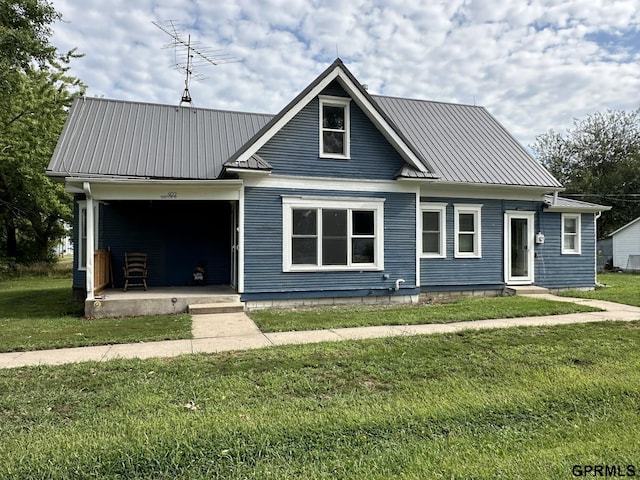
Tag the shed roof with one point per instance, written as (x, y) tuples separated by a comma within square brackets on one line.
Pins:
[(624, 227), (562, 204)]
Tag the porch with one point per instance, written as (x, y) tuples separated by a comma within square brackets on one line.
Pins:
[(157, 300)]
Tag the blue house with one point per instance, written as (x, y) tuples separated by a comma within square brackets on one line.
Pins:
[(342, 195)]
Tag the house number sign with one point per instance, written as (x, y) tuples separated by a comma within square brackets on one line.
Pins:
[(170, 195)]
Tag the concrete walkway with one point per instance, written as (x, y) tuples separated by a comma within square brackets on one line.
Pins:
[(236, 331)]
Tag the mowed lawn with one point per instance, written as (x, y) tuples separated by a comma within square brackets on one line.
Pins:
[(36, 312), (618, 287), (459, 310), (517, 403)]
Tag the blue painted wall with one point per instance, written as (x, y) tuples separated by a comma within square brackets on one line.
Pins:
[(552, 269), (485, 272), (177, 236), (555, 270), (295, 149), (264, 277)]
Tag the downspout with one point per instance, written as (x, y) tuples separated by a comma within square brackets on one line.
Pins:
[(90, 281), (595, 253)]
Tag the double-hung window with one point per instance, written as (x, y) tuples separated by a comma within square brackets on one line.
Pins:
[(434, 232), (334, 127), (571, 242), (332, 234), (467, 222)]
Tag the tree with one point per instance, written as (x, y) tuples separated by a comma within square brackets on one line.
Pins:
[(36, 92), (598, 161)]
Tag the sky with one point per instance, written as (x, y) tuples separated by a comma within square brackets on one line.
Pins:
[(535, 65)]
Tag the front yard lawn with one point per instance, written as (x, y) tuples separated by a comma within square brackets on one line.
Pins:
[(280, 320), (619, 288), (37, 313), (518, 403)]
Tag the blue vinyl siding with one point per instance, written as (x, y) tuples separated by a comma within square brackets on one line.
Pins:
[(263, 249), (552, 268), (555, 270), (468, 272), (177, 236), (294, 150)]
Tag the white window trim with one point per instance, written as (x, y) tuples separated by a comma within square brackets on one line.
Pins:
[(82, 255), (289, 203), (336, 102), (441, 208), (475, 209), (578, 234)]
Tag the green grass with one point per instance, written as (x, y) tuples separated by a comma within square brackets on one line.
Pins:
[(518, 403), (36, 312), (619, 288), (274, 320)]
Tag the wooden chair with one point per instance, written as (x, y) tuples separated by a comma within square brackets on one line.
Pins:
[(135, 270)]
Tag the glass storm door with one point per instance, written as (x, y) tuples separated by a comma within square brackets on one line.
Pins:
[(519, 250)]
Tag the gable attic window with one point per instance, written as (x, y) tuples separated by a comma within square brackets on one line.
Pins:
[(334, 127)]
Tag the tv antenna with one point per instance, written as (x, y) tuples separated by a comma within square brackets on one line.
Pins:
[(194, 56)]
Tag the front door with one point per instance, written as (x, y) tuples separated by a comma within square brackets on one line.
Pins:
[(518, 249)]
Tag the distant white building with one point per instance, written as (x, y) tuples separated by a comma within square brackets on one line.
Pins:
[(626, 246)]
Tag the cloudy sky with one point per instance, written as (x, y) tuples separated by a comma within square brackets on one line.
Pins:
[(535, 65)]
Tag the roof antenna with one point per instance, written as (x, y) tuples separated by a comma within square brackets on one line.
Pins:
[(194, 57)]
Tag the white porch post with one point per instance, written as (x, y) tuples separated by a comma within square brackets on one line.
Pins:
[(240, 245), (90, 283)]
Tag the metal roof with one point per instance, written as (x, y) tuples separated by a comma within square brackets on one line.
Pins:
[(129, 139), (454, 143), (562, 204), (465, 143)]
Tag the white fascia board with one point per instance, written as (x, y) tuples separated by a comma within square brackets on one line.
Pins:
[(378, 120), (286, 118), (171, 190), (329, 183), (369, 110), (436, 189), (567, 209)]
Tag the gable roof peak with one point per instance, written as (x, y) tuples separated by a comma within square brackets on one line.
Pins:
[(336, 71)]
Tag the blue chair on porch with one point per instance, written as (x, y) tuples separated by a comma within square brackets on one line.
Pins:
[(135, 270)]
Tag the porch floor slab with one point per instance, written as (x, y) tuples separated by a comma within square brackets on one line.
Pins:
[(156, 300)]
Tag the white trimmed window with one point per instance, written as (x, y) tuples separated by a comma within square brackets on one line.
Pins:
[(434, 230), (571, 241), (334, 127), (82, 233), (468, 231), (332, 234)]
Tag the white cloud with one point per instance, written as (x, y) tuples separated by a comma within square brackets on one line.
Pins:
[(534, 65)]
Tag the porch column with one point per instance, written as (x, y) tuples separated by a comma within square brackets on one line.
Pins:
[(90, 281), (240, 246)]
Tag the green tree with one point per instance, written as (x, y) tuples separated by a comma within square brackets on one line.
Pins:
[(598, 161), (35, 94)]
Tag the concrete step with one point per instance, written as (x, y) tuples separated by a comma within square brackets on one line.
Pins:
[(218, 307), (527, 290)]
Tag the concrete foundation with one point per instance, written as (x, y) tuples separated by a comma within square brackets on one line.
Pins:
[(318, 302), (155, 301)]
